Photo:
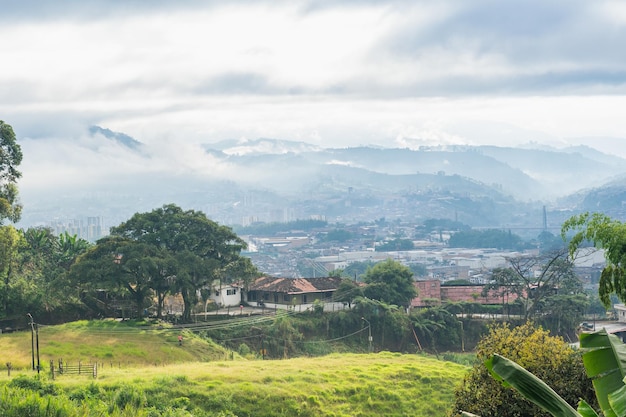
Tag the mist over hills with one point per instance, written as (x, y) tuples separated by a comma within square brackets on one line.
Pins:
[(112, 175)]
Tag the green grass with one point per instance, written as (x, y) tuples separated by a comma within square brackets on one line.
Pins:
[(158, 377), (386, 384), (109, 342)]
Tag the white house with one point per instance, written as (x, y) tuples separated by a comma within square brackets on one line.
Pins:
[(226, 295)]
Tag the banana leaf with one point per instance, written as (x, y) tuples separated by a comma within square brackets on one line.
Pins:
[(529, 386), (605, 362), (585, 409)]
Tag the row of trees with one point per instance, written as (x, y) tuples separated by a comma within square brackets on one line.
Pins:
[(166, 251)]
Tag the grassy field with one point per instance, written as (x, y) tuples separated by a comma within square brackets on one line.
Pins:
[(160, 378), (111, 343)]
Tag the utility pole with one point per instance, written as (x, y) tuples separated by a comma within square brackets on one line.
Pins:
[(369, 331), (37, 342), (32, 340)]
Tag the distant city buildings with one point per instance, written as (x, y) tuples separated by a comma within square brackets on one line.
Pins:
[(88, 228)]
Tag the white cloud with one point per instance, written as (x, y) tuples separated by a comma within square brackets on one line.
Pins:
[(332, 73)]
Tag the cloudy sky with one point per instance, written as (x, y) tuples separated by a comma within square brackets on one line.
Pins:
[(333, 73)]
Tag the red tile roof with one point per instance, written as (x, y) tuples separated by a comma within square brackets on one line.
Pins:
[(295, 285)]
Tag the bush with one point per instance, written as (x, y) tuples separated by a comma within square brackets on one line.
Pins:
[(548, 357), (35, 384), (128, 396)]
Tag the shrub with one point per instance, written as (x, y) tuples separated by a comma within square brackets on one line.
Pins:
[(35, 384), (548, 357), (128, 396)]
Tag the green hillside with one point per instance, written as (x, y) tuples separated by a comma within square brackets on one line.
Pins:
[(160, 378), (335, 385)]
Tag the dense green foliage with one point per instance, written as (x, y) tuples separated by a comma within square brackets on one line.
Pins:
[(390, 282), (492, 238), (397, 244), (10, 159), (165, 251), (357, 270), (548, 357), (34, 265), (608, 234), (603, 356)]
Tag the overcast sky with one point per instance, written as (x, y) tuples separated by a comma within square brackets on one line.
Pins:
[(333, 73)]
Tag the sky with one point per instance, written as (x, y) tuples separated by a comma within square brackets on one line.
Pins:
[(331, 73)]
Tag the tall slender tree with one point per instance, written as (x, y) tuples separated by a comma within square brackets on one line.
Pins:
[(10, 159)]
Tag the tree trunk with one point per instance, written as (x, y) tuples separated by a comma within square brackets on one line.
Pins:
[(187, 305)]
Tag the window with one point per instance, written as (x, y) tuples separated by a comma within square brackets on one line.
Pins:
[(217, 293), (285, 297), (304, 300), (275, 297), (232, 291)]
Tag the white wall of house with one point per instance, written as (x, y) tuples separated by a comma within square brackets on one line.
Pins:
[(226, 296)]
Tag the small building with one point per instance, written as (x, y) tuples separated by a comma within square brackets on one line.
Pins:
[(226, 295), (298, 294), (431, 292)]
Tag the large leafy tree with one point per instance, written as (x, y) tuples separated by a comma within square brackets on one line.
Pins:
[(390, 282), (605, 233), (202, 249), (120, 265), (10, 159)]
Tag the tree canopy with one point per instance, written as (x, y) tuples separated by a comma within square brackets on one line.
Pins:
[(396, 244), (605, 233), (390, 282), (167, 250), (492, 238), (10, 159)]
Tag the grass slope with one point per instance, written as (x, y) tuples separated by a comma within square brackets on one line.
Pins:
[(383, 384), (111, 343), (163, 378)]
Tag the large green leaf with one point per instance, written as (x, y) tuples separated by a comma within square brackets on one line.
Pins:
[(529, 386), (585, 409), (605, 363)]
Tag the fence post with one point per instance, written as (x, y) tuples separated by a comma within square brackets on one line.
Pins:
[(9, 368), (52, 369), (60, 366), (78, 367)]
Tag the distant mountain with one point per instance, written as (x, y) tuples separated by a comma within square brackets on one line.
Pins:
[(559, 172), (260, 147), (529, 174), (238, 182), (120, 138), (609, 199)]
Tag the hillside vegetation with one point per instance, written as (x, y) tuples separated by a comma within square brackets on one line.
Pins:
[(110, 343), (158, 377)]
